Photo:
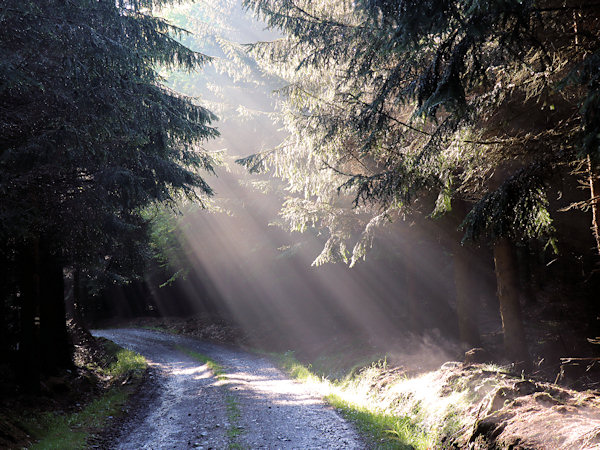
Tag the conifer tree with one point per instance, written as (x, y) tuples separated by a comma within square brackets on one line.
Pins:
[(89, 137), (482, 102)]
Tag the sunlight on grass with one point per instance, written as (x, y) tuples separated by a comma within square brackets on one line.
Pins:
[(127, 363), (393, 410), (293, 367), (389, 431), (71, 431)]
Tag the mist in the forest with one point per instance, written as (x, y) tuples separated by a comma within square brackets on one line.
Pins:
[(399, 301)]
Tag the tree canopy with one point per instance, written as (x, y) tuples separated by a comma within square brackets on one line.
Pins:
[(476, 111), (89, 134), (480, 101)]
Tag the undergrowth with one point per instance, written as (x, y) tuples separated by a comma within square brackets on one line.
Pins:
[(72, 430), (387, 407)]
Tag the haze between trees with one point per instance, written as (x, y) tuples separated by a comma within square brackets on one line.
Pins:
[(465, 113)]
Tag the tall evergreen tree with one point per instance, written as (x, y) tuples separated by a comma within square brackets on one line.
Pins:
[(88, 137)]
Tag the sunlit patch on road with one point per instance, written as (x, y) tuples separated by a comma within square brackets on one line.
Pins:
[(234, 399)]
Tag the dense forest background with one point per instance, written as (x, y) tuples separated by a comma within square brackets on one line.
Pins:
[(431, 169)]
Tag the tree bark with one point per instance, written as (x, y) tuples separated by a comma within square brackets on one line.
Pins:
[(73, 295), (466, 286), (510, 307), (525, 274), (55, 343), (594, 182), (28, 288), (466, 297)]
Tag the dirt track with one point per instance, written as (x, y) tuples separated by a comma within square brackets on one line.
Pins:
[(256, 406)]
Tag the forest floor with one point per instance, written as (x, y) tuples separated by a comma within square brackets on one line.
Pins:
[(394, 403), (71, 406), (466, 404)]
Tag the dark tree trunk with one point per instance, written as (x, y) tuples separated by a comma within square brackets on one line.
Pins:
[(525, 274), (55, 344), (69, 280), (510, 307), (466, 280), (6, 297), (73, 295), (466, 296), (28, 344)]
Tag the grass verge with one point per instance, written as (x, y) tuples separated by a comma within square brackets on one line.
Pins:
[(52, 430), (162, 329), (389, 431), (294, 368), (382, 427)]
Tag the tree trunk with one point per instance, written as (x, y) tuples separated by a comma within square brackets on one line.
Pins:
[(6, 300), (466, 297), (510, 307), (73, 295), (594, 181), (525, 274), (28, 344), (69, 280), (465, 280), (55, 344)]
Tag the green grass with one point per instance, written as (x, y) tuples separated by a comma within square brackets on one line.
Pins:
[(233, 415), (161, 328), (127, 363), (388, 431), (288, 362), (71, 431)]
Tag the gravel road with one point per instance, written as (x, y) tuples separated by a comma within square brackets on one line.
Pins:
[(255, 406)]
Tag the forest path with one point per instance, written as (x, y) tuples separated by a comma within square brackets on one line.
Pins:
[(253, 406)]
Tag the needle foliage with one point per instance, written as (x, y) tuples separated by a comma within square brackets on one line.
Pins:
[(393, 101), (89, 134)]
